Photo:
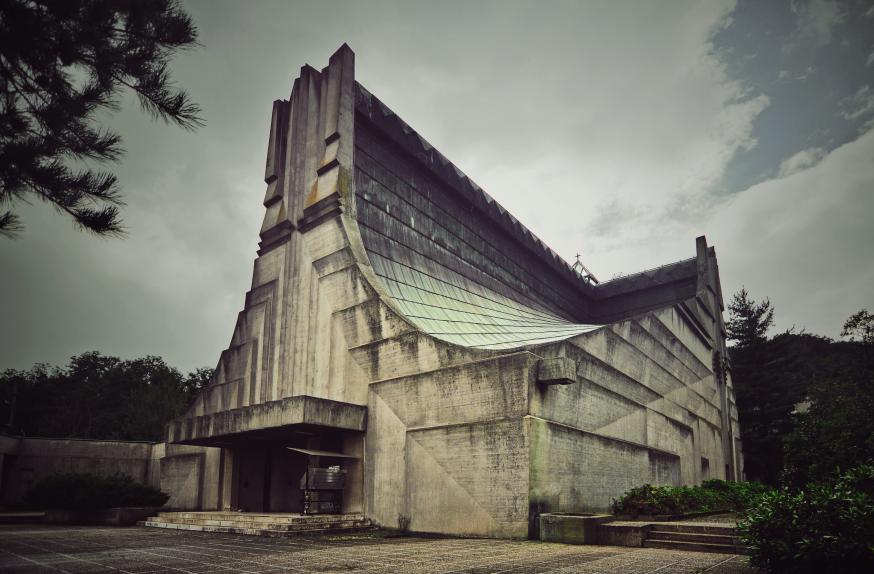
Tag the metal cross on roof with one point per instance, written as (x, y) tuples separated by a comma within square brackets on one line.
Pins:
[(583, 270)]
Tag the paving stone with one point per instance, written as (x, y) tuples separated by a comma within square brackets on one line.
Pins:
[(29, 549)]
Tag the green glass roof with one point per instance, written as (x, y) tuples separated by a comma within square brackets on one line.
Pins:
[(455, 309)]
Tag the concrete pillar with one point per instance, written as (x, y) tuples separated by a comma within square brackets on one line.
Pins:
[(229, 479), (353, 494)]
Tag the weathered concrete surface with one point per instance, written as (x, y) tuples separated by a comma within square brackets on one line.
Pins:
[(448, 451), (182, 476), (645, 409), (297, 410), (570, 528), (287, 342), (623, 533), (557, 371)]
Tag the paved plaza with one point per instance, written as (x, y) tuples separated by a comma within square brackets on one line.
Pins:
[(44, 548)]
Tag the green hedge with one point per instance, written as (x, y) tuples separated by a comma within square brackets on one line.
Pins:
[(712, 495), (89, 492), (826, 527)]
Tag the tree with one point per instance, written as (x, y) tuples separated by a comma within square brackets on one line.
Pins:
[(763, 410), (62, 62), (860, 327), (198, 379), (96, 396), (748, 321), (837, 430)]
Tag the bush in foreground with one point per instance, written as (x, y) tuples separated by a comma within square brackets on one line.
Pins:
[(89, 492), (825, 527), (711, 496)]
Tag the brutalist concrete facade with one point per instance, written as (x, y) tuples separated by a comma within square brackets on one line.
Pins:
[(399, 314)]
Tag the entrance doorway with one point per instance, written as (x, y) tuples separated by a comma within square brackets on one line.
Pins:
[(269, 471), (268, 478)]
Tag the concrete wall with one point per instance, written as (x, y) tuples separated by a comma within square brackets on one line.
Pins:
[(191, 476), (33, 459), (446, 449), (286, 341), (645, 409), (573, 470), (187, 474), (480, 448)]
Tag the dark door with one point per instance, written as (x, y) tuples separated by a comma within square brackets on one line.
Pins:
[(254, 469), (287, 469)]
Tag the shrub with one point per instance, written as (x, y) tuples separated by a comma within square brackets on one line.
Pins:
[(89, 492), (824, 527), (711, 496), (739, 495)]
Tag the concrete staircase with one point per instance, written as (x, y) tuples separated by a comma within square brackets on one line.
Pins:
[(721, 539), (260, 524)]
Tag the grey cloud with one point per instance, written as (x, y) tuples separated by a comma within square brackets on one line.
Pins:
[(557, 109), (801, 160), (859, 104), (611, 217), (816, 21)]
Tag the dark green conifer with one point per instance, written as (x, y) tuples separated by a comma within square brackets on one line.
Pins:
[(62, 62)]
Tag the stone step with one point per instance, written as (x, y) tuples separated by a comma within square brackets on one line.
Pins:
[(265, 519), (289, 526), (264, 525), (691, 528), (694, 546), (694, 537), (261, 518), (250, 531)]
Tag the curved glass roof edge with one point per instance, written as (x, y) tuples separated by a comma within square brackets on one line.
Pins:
[(485, 329)]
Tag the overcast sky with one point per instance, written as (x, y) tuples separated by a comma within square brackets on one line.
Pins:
[(619, 130)]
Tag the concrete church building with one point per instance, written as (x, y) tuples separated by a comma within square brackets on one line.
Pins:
[(400, 315), (405, 327)]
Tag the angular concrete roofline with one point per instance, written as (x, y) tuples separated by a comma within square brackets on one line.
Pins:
[(387, 121)]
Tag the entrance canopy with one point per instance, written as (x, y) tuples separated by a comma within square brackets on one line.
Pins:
[(298, 412)]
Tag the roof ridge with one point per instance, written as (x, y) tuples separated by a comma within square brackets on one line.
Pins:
[(651, 272)]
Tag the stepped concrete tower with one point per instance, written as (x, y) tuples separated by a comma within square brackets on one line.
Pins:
[(469, 377)]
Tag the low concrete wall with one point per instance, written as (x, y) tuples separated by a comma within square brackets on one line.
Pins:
[(37, 458), (624, 534), (180, 471), (571, 528), (105, 516)]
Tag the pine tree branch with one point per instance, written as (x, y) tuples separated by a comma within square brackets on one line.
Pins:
[(10, 225), (103, 222), (46, 113), (109, 149)]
